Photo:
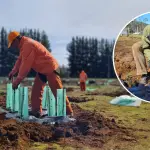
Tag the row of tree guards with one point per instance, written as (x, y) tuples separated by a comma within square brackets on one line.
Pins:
[(17, 101)]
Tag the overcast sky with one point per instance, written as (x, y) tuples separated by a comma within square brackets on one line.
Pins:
[(62, 19)]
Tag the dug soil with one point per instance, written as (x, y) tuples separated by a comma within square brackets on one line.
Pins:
[(118, 92), (90, 129), (2, 101), (79, 99), (123, 57)]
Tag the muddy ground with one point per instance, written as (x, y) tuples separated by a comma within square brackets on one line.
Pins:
[(119, 92), (90, 129), (80, 99), (124, 61)]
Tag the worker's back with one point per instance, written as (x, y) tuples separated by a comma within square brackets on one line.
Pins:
[(44, 61)]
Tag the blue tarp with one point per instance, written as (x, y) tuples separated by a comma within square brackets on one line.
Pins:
[(139, 91)]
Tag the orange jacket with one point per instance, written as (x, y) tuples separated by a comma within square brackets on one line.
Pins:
[(33, 55), (83, 76)]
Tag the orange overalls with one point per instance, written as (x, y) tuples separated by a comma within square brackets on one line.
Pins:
[(34, 55), (83, 78)]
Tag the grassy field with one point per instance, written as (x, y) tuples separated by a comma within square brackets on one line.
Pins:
[(135, 119)]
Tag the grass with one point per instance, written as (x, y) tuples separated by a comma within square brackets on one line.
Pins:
[(127, 116), (132, 36), (136, 119), (135, 36), (39, 146), (53, 146)]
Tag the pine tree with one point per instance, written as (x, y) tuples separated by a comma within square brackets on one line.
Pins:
[(71, 48), (30, 32), (86, 55), (38, 36), (35, 35), (45, 41), (4, 52)]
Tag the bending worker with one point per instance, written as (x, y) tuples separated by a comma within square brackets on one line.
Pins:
[(34, 55), (141, 54), (83, 78)]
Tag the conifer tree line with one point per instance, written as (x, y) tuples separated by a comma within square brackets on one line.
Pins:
[(92, 55), (89, 54), (8, 58)]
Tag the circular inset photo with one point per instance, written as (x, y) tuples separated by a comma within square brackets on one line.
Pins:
[(131, 57)]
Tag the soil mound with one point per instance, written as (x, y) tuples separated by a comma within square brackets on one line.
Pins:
[(118, 92), (89, 129), (124, 61), (79, 99)]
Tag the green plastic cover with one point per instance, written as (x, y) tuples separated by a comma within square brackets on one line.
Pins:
[(9, 96), (51, 103), (25, 111), (61, 102), (44, 100), (23, 103)]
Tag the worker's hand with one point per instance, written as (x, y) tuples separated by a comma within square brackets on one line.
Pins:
[(15, 86), (11, 74)]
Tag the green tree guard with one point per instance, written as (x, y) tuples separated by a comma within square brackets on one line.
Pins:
[(51, 102), (21, 91), (44, 100), (23, 103), (13, 100), (16, 102), (61, 102), (87, 82), (9, 96), (64, 102)]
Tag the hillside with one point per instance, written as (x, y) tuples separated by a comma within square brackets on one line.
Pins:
[(124, 61), (136, 26)]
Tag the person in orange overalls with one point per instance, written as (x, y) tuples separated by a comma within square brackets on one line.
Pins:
[(83, 78), (34, 55)]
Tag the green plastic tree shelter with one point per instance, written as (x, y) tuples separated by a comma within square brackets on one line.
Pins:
[(51, 102), (9, 96), (17, 100), (61, 102), (55, 107), (44, 101), (12, 98), (23, 103)]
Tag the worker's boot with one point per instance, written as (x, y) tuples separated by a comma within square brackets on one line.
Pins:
[(70, 115), (36, 114)]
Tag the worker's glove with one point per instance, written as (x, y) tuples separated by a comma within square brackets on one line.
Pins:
[(11, 74)]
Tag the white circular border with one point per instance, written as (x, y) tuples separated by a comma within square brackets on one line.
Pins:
[(114, 54)]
